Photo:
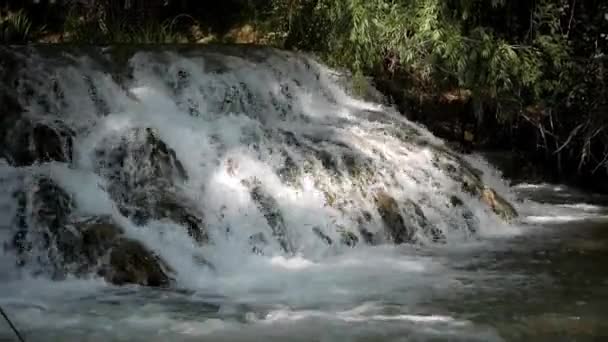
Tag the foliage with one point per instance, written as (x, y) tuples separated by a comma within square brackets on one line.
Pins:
[(15, 27), (510, 54)]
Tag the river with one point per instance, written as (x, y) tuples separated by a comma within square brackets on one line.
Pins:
[(546, 283)]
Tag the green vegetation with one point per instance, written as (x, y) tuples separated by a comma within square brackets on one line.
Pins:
[(533, 72)]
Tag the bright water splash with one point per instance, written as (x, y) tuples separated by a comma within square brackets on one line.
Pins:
[(275, 151)]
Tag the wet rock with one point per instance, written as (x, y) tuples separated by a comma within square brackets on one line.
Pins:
[(318, 232), (26, 143), (470, 179), (258, 242), (328, 161), (104, 249), (498, 204), (364, 221), (290, 170), (142, 171), (394, 223), (98, 237), (138, 160), (131, 263), (156, 205), (419, 219), (469, 218), (348, 238), (48, 208), (270, 209), (368, 237), (358, 167)]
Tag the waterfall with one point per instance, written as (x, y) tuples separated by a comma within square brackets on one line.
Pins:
[(207, 159)]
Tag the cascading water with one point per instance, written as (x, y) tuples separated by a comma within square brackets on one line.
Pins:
[(241, 173)]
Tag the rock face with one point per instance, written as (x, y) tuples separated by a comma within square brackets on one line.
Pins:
[(54, 239)]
